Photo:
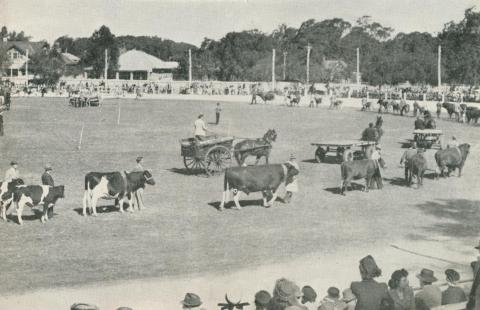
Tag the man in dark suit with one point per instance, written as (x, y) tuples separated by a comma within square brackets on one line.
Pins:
[(47, 179), (474, 298)]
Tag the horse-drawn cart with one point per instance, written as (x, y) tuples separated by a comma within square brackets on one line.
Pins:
[(358, 147), (213, 155), (427, 138)]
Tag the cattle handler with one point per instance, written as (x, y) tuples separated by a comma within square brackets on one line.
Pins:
[(293, 186), (2, 108), (47, 179), (12, 173), (139, 192)]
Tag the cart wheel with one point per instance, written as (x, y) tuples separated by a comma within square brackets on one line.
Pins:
[(192, 164), (217, 159), (320, 154)]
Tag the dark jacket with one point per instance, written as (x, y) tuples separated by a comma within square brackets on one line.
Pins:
[(47, 179), (370, 134), (408, 301), (369, 294), (453, 295), (419, 124)]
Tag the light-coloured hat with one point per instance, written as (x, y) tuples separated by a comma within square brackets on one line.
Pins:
[(292, 156), (48, 167), (348, 296)]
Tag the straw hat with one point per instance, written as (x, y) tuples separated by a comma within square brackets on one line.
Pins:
[(286, 290)]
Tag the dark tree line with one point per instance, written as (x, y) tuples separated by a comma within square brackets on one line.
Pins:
[(247, 55)]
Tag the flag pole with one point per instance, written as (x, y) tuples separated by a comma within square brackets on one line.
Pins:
[(273, 69)]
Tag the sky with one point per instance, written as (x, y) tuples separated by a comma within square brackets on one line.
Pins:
[(192, 20)]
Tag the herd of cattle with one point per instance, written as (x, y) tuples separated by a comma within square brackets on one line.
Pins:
[(110, 185)]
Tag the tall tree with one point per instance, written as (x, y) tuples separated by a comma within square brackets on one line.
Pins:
[(101, 40)]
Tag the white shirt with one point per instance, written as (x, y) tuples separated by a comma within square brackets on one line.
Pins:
[(199, 128), (11, 174)]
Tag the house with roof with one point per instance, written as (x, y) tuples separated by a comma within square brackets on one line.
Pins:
[(138, 65), (19, 53)]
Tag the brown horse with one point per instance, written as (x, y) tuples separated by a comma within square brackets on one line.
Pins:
[(266, 96), (255, 147)]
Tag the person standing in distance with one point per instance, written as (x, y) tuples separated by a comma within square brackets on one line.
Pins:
[(47, 179), (218, 109)]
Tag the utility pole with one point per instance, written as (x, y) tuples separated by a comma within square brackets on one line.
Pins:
[(105, 74), (284, 65), (308, 63), (273, 69), (189, 67), (26, 68), (439, 67), (358, 67)]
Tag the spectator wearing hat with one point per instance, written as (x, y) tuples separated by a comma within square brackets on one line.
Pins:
[(349, 299), (47, 179), (332, 301), (292, 187), (199, 128), (400, 291), (474, 296), (369, 292), (191, 301), (430, 295), (262, 299), (453, 294), (286, 295), (309, 297), (12, 173)]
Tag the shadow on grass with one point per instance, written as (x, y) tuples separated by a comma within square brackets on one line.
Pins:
[(37, 214), (458, 217), (103, 209), (352, 187), (309, 161), (331, 160), (185, 171), (243, 203)]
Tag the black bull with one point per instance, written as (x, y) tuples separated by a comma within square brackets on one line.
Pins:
[(265, 179), (452, 158)]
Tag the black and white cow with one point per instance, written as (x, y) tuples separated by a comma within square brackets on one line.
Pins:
[(32, 195), (113, 185), (6, 195), (265, 179)]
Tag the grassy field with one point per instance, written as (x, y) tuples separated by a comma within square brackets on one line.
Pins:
[(181, 232)]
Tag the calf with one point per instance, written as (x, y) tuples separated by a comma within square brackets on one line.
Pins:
[(112, 185), (6, 195), (33, 195), (265, 179)]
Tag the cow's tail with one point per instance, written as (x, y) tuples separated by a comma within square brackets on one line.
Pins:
[(226, 190)]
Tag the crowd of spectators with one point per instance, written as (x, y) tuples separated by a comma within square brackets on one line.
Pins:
[(124, 87), (364, 294)]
